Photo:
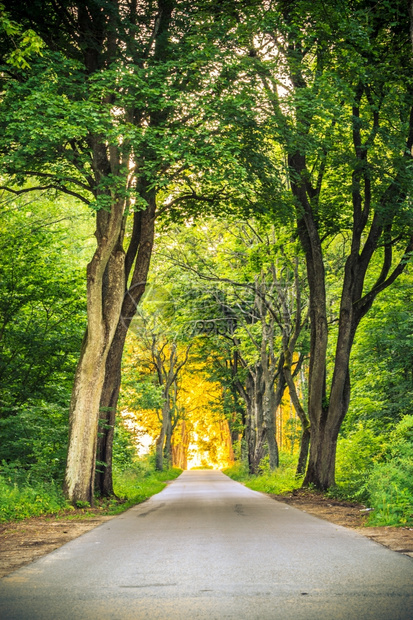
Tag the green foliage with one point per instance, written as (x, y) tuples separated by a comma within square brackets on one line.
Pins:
[(141, 481), (391, 481), (280, 481), (25, 43), (377, 469), (391, 493), (42, 321), (238, 471), (382, 362), (202, 467), (20, 502), (124, 448), (176, 114), (356, 455), (34, 442), (80, 504), (42, 300)]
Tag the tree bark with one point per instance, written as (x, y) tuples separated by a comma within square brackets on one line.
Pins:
[(305, 423), (303, 455), (168, 445), (160, 442), (269, 409), (180, 450), (141, 245), (162, 446), (105, 285), (167, 372)]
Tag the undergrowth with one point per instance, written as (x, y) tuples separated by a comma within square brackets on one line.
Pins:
[(22, 497), (137, 484), (280, 481), (29, 500), (371, 468)]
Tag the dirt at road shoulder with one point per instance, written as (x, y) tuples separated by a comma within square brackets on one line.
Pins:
[(350, 514), (26, 541)]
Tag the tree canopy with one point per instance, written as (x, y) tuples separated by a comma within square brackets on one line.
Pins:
[(260, 155)]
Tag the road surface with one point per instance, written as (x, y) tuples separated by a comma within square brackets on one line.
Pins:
[(208, 548)]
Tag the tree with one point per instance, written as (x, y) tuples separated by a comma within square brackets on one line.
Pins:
[(167, 367), (249, 294), (328, 74), (187, 423), (160, 355), (382, 361), (42, 308), (42, 321), (118, 125)]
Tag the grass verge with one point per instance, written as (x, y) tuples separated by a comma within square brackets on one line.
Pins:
[(283, 480), (134, 486), (24, 500)]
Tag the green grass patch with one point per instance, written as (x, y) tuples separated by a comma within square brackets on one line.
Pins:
[(136, 484), (279, 482), (22, 500)]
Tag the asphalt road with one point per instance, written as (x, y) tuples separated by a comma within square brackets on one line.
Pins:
[(207, 547)]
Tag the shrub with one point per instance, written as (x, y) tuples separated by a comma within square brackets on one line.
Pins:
[(391, 493), (18, 503), (34, 442), (356, 456), (390, 483)]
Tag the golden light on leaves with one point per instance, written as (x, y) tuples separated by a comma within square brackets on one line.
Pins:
[(201, 436)]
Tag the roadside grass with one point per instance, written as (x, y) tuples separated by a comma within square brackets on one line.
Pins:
[(385, 485), (24, 499), (278, 482), (134, 486)]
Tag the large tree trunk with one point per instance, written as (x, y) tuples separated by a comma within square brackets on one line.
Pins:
[(105, 287), (250, 426), (141, 245), (258, 417), (249, 438), (160, 442), (180, 450), (260, 421), (168, 445), (317, 408), (304, 449), (321, 464), (299, 409), (269, 408), (165, 428), (377, 205), (324, 435), (107, 414)]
